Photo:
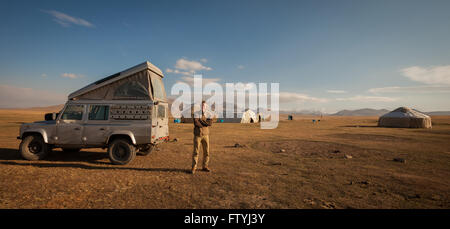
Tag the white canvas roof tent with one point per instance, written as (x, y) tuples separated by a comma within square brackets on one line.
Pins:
[(141, 82), (404, 117)]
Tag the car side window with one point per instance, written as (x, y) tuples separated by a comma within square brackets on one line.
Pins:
[(98, 112), (73, 112)]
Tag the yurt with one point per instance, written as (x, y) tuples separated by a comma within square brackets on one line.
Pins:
[(249, 117), (404, 117)]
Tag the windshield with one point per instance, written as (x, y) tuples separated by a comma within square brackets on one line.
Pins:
[(73, 112), (158, 88)]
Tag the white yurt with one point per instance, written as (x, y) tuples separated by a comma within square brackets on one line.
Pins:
[(404, 117), (249, 117)]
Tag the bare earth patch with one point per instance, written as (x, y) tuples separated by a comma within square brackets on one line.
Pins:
[(298, 165)]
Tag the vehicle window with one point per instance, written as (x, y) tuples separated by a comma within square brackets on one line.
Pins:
[(98, 112), (73, 112), (161, 111), (131, 90), (158, 87)]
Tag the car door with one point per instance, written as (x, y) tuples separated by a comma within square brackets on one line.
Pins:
[(69, 127), (96, 127), (162, 126)]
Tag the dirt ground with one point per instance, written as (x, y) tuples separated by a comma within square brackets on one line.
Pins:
[(297, 165)]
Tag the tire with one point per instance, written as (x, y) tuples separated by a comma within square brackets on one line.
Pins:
[(121, 152), (33, 148), (145, 150), (71, 150)]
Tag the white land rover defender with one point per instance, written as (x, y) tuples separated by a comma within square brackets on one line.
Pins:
[(126, 112)]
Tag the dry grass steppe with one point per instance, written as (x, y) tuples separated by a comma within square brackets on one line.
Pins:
[(311, 172)]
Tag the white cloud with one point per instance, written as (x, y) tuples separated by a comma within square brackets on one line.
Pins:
[(431, 75), (191, 65), (240, 67), (337, 91), (43, 75), (287, 97), (412, 89), (188, 67), (71, 75), (176, 71), (190, 80), (67, 20), (360, 98), (18, 97)]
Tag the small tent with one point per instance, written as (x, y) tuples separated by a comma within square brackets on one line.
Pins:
[(249, 117), (260, 117), (404, 117)]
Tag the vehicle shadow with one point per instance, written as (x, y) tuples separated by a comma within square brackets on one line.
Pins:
[(11, 157), (82, 156), (57, 155), (9, 154), (357, 126), (90, 167)]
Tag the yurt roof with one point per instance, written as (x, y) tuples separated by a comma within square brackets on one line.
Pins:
[(405, 112)]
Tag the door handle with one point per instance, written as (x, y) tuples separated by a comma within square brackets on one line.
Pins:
[(102, 128), (77, 128)]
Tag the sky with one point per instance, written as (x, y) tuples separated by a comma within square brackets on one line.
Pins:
[(325, 55)]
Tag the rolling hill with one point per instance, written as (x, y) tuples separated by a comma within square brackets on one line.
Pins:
[(361, 112)]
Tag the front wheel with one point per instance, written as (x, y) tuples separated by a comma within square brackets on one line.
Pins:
[(121, 152), (33, 148)]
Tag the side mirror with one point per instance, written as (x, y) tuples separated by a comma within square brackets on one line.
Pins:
[(51, 116)]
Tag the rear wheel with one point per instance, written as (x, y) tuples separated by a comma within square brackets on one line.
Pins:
[(33, 148), (121, 152), (145, 150)]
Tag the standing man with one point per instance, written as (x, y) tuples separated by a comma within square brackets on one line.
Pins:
[(201, 138)]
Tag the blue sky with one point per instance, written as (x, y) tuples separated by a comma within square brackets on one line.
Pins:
[(326, 55)]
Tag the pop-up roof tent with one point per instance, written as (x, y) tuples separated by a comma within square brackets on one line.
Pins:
[(141, 82)]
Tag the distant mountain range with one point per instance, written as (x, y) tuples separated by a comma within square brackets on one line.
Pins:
[(437, 113), (361, 112), (304, 112), (54, 108), (380, 112)]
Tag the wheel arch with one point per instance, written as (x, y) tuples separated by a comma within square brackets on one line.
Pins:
[(41, 133), (126, 134)]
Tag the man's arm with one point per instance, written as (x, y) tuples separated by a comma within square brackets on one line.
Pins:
[(197, 123), (207, 122)]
